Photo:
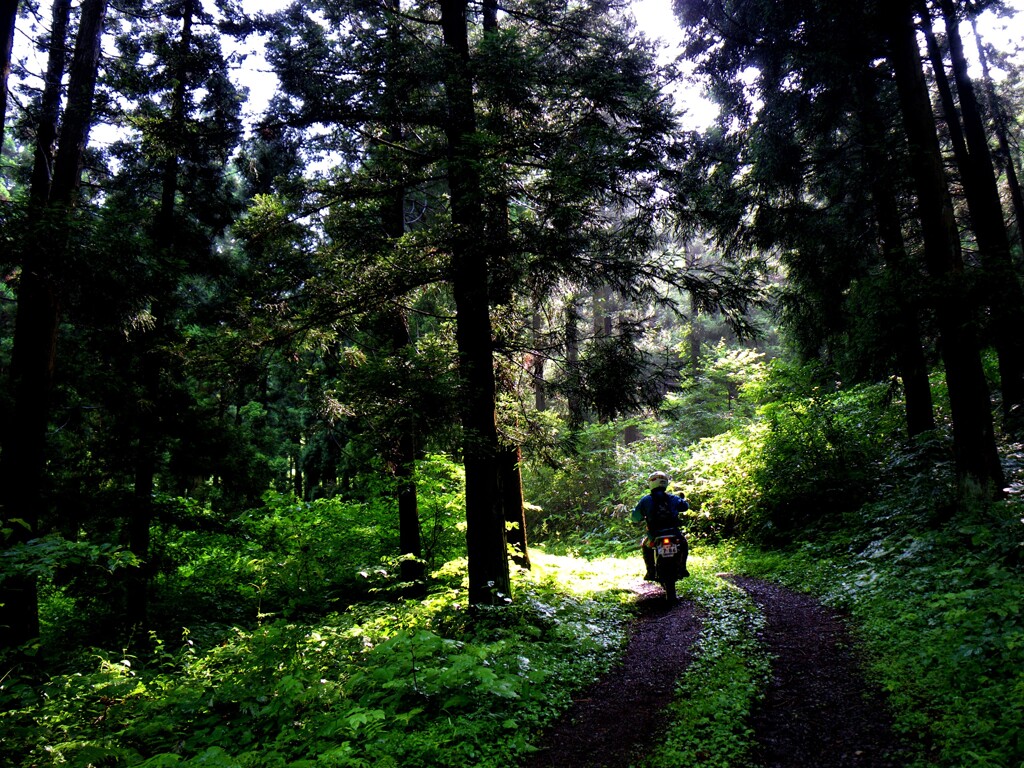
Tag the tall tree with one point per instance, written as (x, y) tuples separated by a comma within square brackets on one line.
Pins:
[(8, 19), (911, 361), (998, 116), (1001, 288), (782, 188), (173, 73), (597, 150), (973, 433), (485, 519), (43, 255)]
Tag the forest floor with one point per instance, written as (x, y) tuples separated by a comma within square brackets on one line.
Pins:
[(818, 711)]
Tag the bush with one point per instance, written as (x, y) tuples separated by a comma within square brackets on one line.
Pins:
[(721, 474), (802, 463)]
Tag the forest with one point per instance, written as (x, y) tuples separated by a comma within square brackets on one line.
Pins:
[(327, 391)]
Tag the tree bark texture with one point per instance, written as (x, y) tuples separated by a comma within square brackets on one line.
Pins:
[(977, 460), (485, 522)]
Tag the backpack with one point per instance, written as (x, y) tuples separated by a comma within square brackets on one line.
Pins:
[(661, 515)]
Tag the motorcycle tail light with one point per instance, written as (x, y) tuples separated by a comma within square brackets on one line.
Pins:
[(666, 541)]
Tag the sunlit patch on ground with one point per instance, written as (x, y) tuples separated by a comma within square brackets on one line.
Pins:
[(608, 574)]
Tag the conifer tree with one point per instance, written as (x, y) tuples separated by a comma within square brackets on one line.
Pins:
[(8, 19), (796, 158), (172, 184), (44, 252)]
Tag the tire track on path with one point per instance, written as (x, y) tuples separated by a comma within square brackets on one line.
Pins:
[(818, 711), (613, 718)]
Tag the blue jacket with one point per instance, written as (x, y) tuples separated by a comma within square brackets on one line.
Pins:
[(676, 505)]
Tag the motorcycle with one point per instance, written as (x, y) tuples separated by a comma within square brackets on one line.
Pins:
[(670, 550)]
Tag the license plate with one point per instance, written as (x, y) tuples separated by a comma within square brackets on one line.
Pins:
[(668, 550)]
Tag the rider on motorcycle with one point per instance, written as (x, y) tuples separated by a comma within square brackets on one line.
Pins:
[(658, 499)]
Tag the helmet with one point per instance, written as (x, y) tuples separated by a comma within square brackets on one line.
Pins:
[(657, 480)]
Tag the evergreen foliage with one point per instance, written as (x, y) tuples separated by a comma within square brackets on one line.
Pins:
[(290, 385)]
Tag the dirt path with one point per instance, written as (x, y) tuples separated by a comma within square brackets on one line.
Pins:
[(603, 726), (818, 712)]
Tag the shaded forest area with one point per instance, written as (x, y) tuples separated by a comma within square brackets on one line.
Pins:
[(320, 428)]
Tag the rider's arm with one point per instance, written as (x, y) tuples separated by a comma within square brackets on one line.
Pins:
[(639, 512)]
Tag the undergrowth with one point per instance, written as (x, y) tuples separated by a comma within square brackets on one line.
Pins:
[(409, 684)]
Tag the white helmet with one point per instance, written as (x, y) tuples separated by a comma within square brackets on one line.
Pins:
[(657, 480)]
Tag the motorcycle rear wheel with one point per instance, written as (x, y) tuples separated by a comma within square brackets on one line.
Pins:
[(668, 569)]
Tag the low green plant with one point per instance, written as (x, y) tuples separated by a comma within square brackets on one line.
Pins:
[(426, 682), (810, 455), (289, 557)]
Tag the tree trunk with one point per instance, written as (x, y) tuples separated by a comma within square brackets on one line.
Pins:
[(150, 359), (910, 359), (410, 541), (509, 479), (512, 500), (8, 17), (49, 105), (296, 467), (1005, 152), (23, 460), (694, 336), (601, 311), (1002, 289), (572, 360), (977, 460), (540, 399), (74, 132), (956, 133), (485, 523), (402, 452)]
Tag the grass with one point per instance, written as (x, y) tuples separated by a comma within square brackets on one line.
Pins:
[(938, 612), (410, 683)]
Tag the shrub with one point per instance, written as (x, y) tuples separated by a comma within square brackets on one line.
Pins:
[(802, 463)]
